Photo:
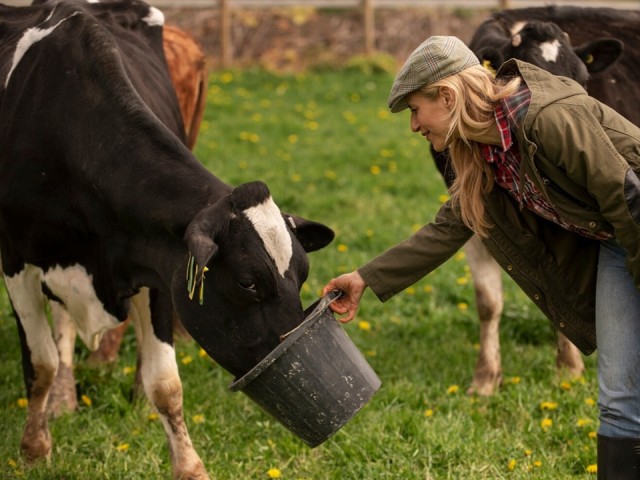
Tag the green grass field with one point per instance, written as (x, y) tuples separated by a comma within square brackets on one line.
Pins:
[(330, 151)]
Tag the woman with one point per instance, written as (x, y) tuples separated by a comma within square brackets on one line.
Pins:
[(547, 177)]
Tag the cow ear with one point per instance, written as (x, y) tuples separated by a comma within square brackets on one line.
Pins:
[(311, 235), (201, 233), (600, 54)]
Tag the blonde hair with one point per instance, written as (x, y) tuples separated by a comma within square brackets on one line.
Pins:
[(476, 92)]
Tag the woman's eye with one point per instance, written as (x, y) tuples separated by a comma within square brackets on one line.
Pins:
[(247, 285)]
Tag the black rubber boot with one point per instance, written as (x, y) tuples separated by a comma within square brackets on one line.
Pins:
[(618, 458)]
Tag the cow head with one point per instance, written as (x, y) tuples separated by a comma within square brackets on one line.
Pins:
[(239, 288), (545, 44)]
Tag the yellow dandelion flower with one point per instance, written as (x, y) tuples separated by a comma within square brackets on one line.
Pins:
[(330, 174), (256, 117), (393, 167), (462, 280), (342, 248), (128, 370), (428, 412), (226, 77), (243, 165), (548, 405), (375, 170), (12, 463), (198, 418), (153, 416), (292, 138), (453, 389), (583, 422), (512, 465), (565, 386), (123, 447), (364, 325), (187, 360), (296, 177), (546, 424), (590, 401), (202, 353), (592, 435), (415, 227), (22, 402), (274, 473), (460, 255), (528, 452), (371, 353), (312, 125), (537, 464), (349, 117), (427, 289), (265, 103), (515, 380), (463, 306), (443, 198), (383, 114), (355, 97), (410, 291), (592, 468), (86, 400), (369, 232)]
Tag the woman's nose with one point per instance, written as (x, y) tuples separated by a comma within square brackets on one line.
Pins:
[(415, 126)]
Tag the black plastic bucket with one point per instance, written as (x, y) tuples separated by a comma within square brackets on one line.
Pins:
[(315, 381)]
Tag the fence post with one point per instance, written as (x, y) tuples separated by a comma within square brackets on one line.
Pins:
[(369, 26), (225, 33)]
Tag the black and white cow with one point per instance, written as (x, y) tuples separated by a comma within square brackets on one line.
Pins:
[(512, 34), (105, 210)]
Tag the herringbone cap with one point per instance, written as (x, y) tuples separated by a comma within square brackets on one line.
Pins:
[(436, 58)]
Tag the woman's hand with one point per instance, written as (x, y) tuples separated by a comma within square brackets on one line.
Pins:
[(352, 287)]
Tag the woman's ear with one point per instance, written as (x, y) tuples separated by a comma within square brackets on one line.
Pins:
[(447, 96)]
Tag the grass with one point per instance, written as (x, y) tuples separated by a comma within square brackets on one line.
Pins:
[(330, 151)]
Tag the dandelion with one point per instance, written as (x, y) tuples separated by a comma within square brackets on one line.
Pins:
[(537, 464), (590, 401), (355, 97), (583, 422), (274, 473), (86, 400), (296, 177), (428, 412), (453, 389), (153, 416), (256, 117), (12, 463), (592, 435), (311, 125), (383, 114), (427, 289), (349, 117), (371, 353), (565, 386), (22, 402), (463, 307), (123, 447), (375, 170), (292, 138), (512, 465), (342, 248), (187, 360), (592, 468), (393, 167), (226, 77), (369, 233), (548, 406), (546, 424), (198, 418), (443, 198), (462, 281), (528, 452), (415, 227), (202, 353), (128, 370), (330, 174), (364, 325), (460, 255), (410, 291)]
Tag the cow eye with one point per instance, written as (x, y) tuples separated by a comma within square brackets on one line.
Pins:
[(247, 284)]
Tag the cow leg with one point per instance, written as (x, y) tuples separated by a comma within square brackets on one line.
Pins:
[(487, 279), (569, 357), (63, 396), (161, 380), (39, 358)]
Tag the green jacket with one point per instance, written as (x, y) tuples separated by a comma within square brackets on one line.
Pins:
[(584, 158)]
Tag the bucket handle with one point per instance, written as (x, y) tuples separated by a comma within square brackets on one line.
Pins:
[(322, 305)]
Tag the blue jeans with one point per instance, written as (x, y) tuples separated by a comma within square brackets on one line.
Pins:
[(618, 334)]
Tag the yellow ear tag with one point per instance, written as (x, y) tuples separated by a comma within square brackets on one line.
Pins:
[(487, 64)]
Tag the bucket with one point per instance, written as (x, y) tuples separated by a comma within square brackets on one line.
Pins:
[(315, 381)]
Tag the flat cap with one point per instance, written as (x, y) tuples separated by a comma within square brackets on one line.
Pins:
[(436, 58)]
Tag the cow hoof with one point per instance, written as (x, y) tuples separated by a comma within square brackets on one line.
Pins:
[(36, 447), (62, 396), (486, 385)]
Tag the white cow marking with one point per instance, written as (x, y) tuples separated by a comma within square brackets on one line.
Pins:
[(155, 18), (269, 223), (550, 50), (30, 37), (74, 286)]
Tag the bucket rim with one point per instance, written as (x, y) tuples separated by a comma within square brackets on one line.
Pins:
[(320, 307)]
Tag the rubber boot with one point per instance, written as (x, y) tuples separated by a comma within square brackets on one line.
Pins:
[(618, 458)]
